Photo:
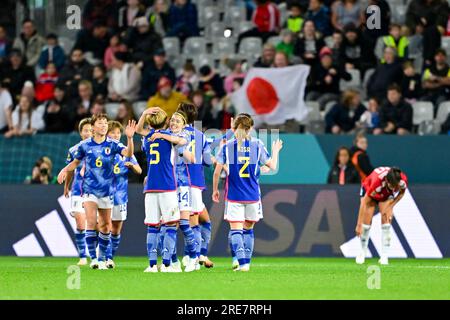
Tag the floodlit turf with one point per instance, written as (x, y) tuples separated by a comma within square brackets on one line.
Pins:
[(269, 278)]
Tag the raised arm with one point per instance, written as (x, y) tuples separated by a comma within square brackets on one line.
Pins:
[(272, 163), (129, 131), (141, 123), (70, 167)]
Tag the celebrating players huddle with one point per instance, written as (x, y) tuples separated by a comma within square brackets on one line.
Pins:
[(176, 154)]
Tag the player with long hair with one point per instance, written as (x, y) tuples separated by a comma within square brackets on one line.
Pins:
[(75, 192), (122, 167), (384, 187), (242, 158), (98, 154)]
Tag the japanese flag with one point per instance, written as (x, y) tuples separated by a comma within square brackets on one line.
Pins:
[(273, 95)]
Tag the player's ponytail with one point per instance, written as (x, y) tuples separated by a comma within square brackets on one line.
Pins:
[(241, 126)]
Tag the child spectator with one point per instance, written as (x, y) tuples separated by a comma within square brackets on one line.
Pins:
[(411, 83), (395, 40), (188, 81), (370, 119), (294, 22), (45, 84), (287, 43), (100, 82), (52, 53), (114, 46)]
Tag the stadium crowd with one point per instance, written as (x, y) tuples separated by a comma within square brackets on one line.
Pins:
[(361, 78)]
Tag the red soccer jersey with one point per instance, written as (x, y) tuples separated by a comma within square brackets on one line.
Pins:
[(376, 186)]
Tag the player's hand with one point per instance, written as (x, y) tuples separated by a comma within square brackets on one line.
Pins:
[(128, 164), (358, 230), (277, 145), (152, 110), (216, 196), (130, 129), (62, 176), (155, 136), (66, 192), (265, 169)]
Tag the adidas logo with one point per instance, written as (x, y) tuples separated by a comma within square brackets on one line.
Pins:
[(413, 227)]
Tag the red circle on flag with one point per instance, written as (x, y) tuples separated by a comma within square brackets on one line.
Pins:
[(262, 96)]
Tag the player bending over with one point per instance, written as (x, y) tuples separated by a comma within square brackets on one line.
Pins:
[(122, 165), (243, 156), (384, 187), (76, 199), (98, 154)]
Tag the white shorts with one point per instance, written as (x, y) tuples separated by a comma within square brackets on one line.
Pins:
[(119, 212), (241, 212), (161, 207), (197, 201), (102, 203), (76, 205), (184, 198)]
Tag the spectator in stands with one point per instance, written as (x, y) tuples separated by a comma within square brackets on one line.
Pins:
[(95, 41), (345, 12), (325, 80), (266, 20), (226, 112), (154, 70), (320, 15), (411, 83), (294, 21), (29, 42), (125, 79), (128, 13), (188, 80), (28, 91), (42, 172), (159, 17), (6, 107), (343, 172), (125, 113), (370, 119), (336, 45), (372, 34), (436, 80), (100, 82), (287, 43), (115, 45), (22, 119), (76, 70), (52, 53), (15, 73), (203, 108), (396, 40), (98, 107), (211, 82), (385, 74), (166, 98), (45, 84), (281, 60), (343, 116), (359, 157), (5, 45), (395, 114), (183, 21), (235, 66), (100, 10), (266, 59), (56, 118), (83, 103), (142, 41), (60, 99), (309, 44)]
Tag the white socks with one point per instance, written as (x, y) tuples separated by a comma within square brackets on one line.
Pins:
[(365, 237), (385, 239)]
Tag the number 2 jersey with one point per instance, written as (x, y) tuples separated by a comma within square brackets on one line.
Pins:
[(243, 161), (376, 186), (121, 178), (77, 178), (99, 160)]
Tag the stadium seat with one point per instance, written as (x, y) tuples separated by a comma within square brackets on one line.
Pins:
[(328, 107), (431, 127), (209, 15), (284, 13), (399, 14), (215, 30), (313, 112), (112, 110), (251, 46), (315, 127), (139, 107), (446, 44), (329, 41), (443, 112), (274, 40), (422, 111), (242, 27), (194, 46), (234, 15), (367, 76), (66, 44), (354, 83), (204, 59), (224, 46), (172, 46)]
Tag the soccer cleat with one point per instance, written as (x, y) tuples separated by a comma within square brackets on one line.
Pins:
[(163, 268), (176, 266), (206, 262), (94, 264), (102, 265), (383, 261), (185, 261), (197, 266), (191, 265), (110, 264), (153, 269), (235, 264), (245, 268), (360, 258), (82, 262)]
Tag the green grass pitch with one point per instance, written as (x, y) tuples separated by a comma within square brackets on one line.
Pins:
[(269, 278)]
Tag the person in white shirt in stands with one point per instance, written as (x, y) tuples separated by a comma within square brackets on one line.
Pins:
[(6, 106), (25, 121), (125, 79)]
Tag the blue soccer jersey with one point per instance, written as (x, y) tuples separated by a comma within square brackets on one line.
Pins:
[(99, 159), (243, 161), (77, 178), (198, 145), (121, 178), (161, 157)]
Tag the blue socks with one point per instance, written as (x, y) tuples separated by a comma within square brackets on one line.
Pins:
[(233, 253), (113, 246), (162, 233), (170, 240), (91, 242), (80, 240), (237, 242), (152, 245), (198, 239), (249, 243), (189, 237), (174, 253), (206, 237), (103, 242)]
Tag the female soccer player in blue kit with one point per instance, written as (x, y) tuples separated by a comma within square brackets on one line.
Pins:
[(98, 154), (242, 157)]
